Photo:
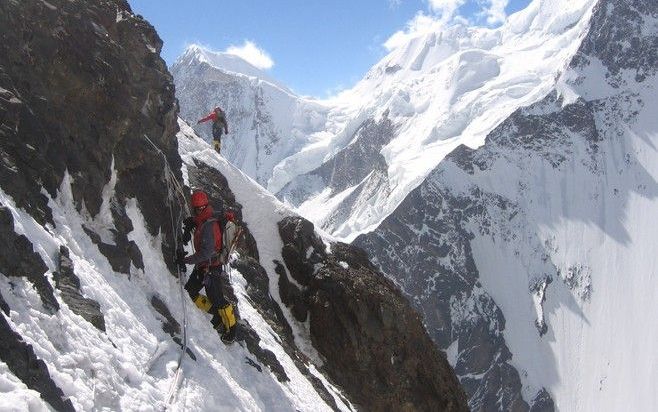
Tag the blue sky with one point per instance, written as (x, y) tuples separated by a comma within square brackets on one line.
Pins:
[(316, 47)]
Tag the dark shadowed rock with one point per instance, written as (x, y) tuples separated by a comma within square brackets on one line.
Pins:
[(18, 259), (22, 362), (3, 305), (169, 324), (69, 284), (542, 402), (374, 344), (81, 83)]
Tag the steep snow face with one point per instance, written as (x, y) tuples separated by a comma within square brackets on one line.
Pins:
[(535, 251), (131, 366), (267, 122)]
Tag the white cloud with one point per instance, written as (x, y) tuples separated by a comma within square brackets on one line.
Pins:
[(253, 54), (421, 23), (446, 8), (394, 4), (495, 13)]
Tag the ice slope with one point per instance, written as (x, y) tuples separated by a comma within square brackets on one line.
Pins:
[(131, 366)]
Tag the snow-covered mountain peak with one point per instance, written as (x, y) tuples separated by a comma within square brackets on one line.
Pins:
[(195, 54), (440, 87)]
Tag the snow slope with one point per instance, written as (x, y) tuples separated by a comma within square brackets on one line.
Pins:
[(132, 365), (595, 229), (448, 86)]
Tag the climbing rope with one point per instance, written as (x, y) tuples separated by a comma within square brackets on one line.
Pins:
[(174, 188)]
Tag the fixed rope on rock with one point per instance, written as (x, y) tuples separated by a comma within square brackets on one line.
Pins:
[(174, 188)]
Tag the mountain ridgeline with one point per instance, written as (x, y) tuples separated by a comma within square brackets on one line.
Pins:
[(87, 285)]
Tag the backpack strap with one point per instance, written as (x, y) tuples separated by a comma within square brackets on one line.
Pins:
[(232, 232)]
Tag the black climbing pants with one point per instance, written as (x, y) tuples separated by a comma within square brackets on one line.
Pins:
[(214, 283), (217, 131)]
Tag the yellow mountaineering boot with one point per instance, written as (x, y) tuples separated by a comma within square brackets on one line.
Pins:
[(202, 302), (217, 145), (228, 320)]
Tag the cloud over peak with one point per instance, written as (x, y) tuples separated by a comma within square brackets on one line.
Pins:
[(253, 54)]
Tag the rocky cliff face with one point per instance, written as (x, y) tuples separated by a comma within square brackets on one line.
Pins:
[(485, 246), (80, 85), (373, 344)]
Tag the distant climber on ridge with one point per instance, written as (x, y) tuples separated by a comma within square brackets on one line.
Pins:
[(219, 126), (212, 242)]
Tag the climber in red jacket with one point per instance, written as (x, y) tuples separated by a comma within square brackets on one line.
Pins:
[(208, 260), (219, 126)]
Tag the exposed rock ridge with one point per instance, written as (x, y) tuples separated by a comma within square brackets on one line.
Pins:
[(215, 184), (69, 285), (18, 259), (81, 83), (374, 345)]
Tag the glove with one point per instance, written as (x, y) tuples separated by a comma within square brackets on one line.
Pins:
[(189, 222), (188, 226), (180, 260)]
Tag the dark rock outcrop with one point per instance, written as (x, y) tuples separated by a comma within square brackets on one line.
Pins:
[(3, 305), (18, 259), (169, 324), (69, 284), (374, 344), (542, 402), (81, 83)]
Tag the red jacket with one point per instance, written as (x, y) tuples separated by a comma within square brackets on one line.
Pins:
[(216, 118), (207, 240), (212, 116)]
